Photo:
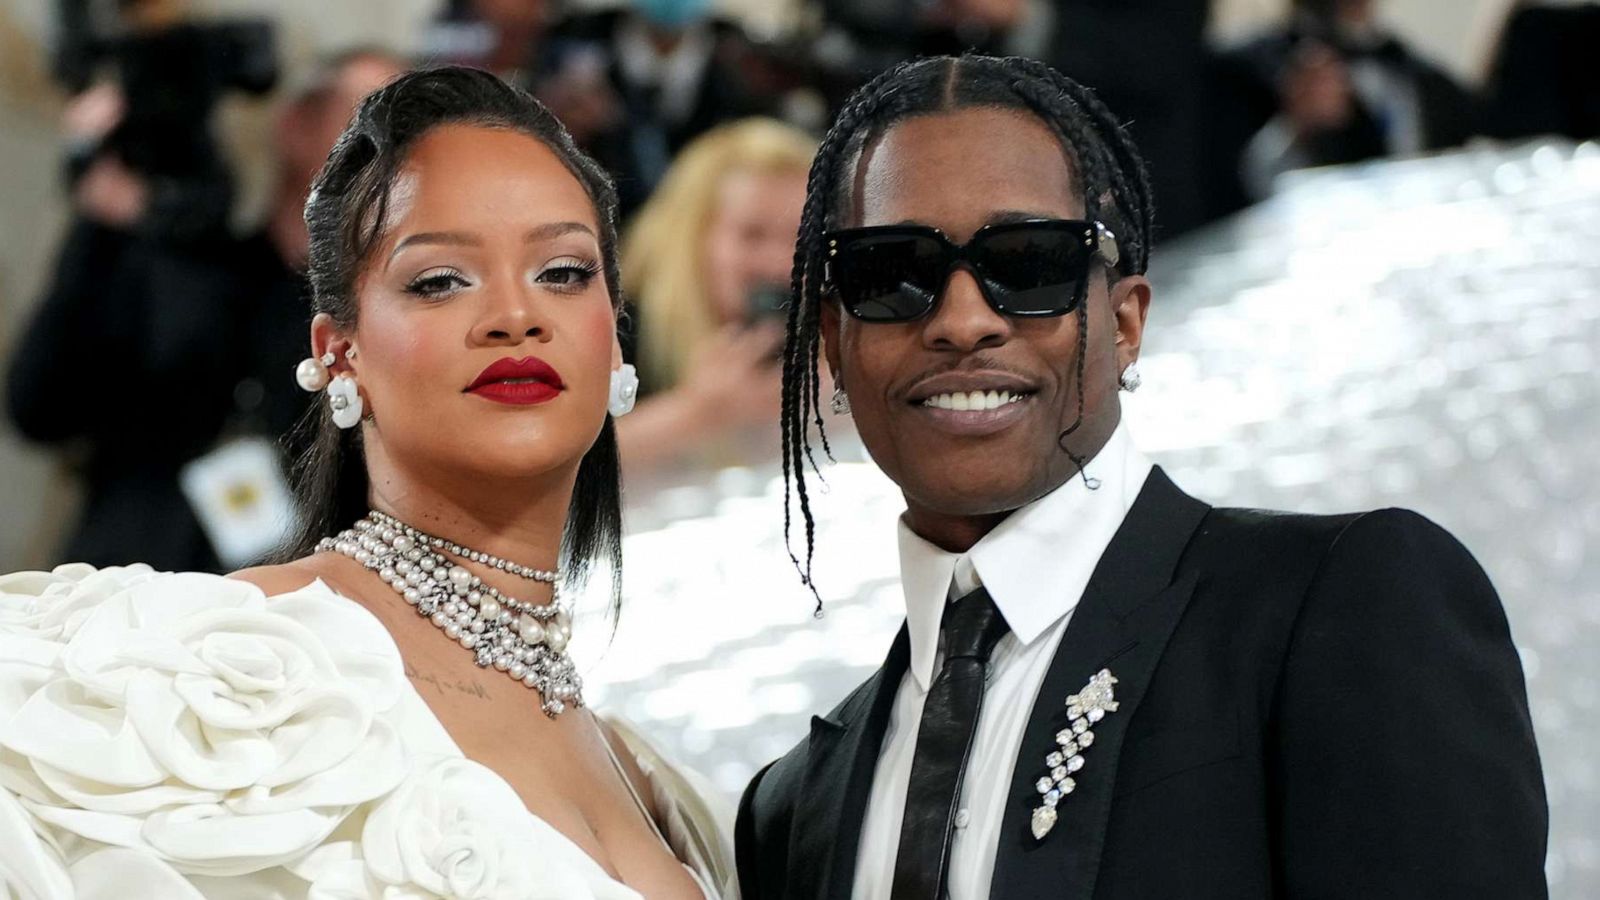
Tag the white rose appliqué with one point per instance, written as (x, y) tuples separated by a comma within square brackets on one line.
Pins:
[(190, 717), (456, 829)]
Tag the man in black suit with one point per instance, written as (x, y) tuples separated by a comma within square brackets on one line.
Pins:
[(1331, 86), (1105, 688)]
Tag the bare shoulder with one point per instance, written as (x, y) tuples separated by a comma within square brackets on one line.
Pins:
[(284, 577)]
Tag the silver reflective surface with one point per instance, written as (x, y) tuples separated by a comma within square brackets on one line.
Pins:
[(1419, 334)]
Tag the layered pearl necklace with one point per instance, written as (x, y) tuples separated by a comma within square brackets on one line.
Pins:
[(527, 641)]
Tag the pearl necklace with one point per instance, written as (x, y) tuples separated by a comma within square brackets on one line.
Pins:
[(454, 549), (527, 641)]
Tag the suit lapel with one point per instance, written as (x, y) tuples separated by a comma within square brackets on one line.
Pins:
[(841, 755), (1123, 621)]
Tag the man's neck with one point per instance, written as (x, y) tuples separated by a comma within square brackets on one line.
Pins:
[(952, 533), (957, 532)]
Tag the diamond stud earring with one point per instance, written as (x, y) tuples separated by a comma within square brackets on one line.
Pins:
[(840, 402), (1130, 378)]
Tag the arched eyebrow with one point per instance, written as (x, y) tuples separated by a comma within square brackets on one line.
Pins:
[(534, 235), (555, 230)]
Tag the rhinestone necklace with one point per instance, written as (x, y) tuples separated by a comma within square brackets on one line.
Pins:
[(527, 641)]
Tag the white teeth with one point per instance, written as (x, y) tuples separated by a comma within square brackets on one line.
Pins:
[(972, 401)]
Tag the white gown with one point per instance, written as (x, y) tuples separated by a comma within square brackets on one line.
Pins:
[(184, 735)]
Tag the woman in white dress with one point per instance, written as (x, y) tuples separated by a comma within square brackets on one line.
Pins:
[(390, 712)]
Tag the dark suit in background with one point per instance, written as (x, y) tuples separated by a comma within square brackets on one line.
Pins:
[(1147, 60), (1546, 75), (141, 355)]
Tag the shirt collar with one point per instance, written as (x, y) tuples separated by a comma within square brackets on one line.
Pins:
[(1035, 564)]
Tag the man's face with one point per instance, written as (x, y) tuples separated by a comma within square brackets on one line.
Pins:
[(957, 172)]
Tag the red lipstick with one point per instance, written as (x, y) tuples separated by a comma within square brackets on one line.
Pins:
[(520, 382)]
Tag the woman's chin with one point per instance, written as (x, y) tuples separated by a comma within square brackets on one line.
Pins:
[(505, 466)]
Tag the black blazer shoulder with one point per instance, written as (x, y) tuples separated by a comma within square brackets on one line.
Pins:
[(1354, 676), (766, 810), (774, 789)]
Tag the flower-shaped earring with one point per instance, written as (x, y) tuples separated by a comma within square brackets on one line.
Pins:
[(312, 374), (624, 390), (345, 401)]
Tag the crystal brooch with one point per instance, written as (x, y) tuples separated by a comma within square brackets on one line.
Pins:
[(1084, 709)]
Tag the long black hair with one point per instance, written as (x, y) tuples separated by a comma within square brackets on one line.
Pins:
[(1105, 163), (345, 214)]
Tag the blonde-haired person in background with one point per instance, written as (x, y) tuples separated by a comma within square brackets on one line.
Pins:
[(706, 264)]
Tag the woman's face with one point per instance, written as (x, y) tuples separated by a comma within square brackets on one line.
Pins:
[(750, 239), (485, 331)]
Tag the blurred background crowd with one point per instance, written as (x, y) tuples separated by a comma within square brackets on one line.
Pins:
[(155, 155), (706, 113), (173, 284)]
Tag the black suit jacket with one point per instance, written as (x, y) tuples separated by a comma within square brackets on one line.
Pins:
[(1311, 706)]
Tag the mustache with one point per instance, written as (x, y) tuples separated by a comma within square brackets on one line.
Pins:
[(977, 362)]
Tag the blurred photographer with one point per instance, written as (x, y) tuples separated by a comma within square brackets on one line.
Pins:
[(637, 81), (140, 153), (1336, 87), (191, 340), (706, 264)]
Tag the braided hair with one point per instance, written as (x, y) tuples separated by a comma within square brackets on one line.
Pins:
[(1106, 166)]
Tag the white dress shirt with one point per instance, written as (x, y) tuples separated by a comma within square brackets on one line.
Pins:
[(1035, 565)]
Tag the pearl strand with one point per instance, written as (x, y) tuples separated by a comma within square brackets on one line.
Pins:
[(494, 562), (527, 641)]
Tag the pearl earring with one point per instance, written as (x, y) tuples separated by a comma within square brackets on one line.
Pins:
[(312, 373), (624, 390), (841, 401), (345, 401), (1130, 378)]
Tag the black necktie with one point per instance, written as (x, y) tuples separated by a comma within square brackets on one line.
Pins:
[(972, 626)]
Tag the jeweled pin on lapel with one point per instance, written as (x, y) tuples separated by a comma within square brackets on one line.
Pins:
[(1084, 709)]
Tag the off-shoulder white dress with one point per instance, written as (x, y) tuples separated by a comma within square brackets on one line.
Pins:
[(181, 735)]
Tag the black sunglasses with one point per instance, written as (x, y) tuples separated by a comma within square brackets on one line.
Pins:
[(896, 273)]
